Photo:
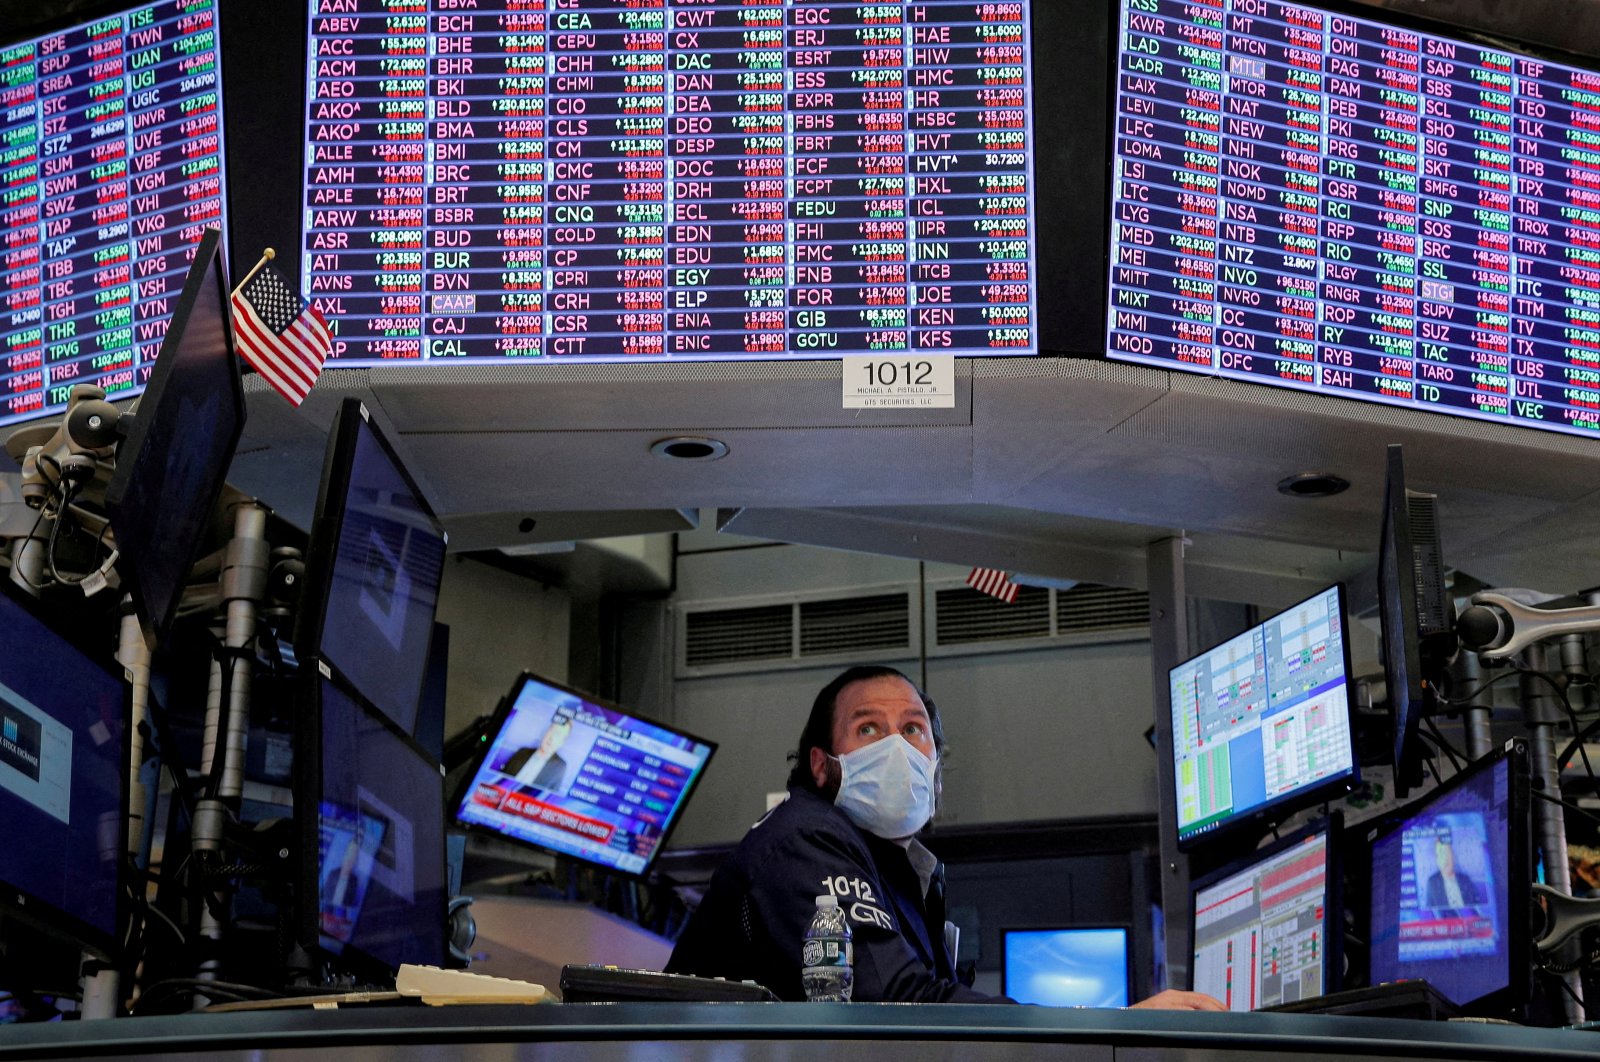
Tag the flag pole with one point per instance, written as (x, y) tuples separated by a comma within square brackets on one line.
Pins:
[(266, 256)]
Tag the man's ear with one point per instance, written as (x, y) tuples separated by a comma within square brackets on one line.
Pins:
[(819, 767)]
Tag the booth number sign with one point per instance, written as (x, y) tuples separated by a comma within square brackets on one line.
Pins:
[(926, 381)]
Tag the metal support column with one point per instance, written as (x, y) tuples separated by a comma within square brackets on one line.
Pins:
[(1169, 645)]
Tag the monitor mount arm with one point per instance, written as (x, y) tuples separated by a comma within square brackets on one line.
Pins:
[(1564, 918), (1498, 626)]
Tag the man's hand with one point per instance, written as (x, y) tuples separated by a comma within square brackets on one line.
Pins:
[(1173, 999)]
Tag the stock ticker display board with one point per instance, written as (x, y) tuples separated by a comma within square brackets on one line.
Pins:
[(658, 179), (1329, 203), (110, 168)]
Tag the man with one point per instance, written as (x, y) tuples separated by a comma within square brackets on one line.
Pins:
[(540, 765), (863, 785), (1447, 886)]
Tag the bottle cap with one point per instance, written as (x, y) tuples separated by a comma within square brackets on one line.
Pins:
[(829, 900)]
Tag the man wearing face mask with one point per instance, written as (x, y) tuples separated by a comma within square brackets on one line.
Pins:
[(863, 785)]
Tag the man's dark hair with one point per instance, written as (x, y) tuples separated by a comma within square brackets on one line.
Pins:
[(818, 732)]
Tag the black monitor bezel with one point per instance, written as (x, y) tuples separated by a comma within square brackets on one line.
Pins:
[(37, 910), (1511, 1001), (492, 735), (1397, 616), (208, 254), (327, 528), (1275, 810), (1056, 927), (307, 788), (1332, 826)]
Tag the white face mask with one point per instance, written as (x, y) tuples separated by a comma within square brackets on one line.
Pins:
[(887, 787)]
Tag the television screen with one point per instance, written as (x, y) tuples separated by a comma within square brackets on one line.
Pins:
[(581, 778), (1344, 205), (63, 780), (721, 180), (1450, 884), (377, 556), (172, 467), (1267, 928), (111, 165), (375, 860), (1080, 966), (1262, 721)]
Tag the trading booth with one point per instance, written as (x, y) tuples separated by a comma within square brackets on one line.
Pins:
[(1293, 306)]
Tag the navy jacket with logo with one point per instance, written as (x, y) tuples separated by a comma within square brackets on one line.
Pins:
[(755, 912)]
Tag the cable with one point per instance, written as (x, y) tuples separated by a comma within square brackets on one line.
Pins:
[(1591, 816), (1577, 741), (1457, 759), (43, 509), (55, 531)]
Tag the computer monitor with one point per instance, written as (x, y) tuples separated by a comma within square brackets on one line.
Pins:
[(369, 804), (581, 778), (1261, 723), (1415, 611), (1267, 929), (1450, 888), (373, 571), (172, 466), (63, 781), (1072, 966)]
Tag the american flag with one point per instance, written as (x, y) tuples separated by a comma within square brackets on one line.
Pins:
[(993, 582), (279, 333)]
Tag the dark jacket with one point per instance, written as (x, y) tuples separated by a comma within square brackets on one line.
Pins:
[(755, 912)]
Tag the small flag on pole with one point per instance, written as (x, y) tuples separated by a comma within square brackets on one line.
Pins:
[(284, 337), (993, 582)]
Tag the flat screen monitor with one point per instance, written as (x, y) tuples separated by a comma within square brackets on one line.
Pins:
[(714, 181), (1416, 612), (1267, 929), (1076, 966), (172, 466), (111, 166), (1261, 723), (581, 778), (370, 804), (63, 781), (372, 576), (1350, 206), (1450, 888)]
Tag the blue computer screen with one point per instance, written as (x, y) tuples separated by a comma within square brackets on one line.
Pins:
[(1440, 891), (1076, 967), (583, 779), (384, 586), (1264, 716), (380, 844), (62, 775)]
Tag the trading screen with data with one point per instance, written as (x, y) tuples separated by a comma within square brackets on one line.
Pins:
[(1326, 202), (587, 179), (110, 169), (1261, 930), (1263, 718)]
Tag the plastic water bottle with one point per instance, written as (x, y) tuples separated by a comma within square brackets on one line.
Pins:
[(825, 957)]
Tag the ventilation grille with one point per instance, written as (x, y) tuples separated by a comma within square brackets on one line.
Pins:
[(736, 635), (855, 624), (1086, 608), (1427, 563), (963, 616)]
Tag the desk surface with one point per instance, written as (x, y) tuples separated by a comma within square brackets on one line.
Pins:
[(787, 1031)]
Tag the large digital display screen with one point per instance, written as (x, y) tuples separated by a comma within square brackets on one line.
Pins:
[(110, 169), (582, 779), (1334, 204), (666, 179), (1263, 718), (1261, 927), (1441, 905)]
